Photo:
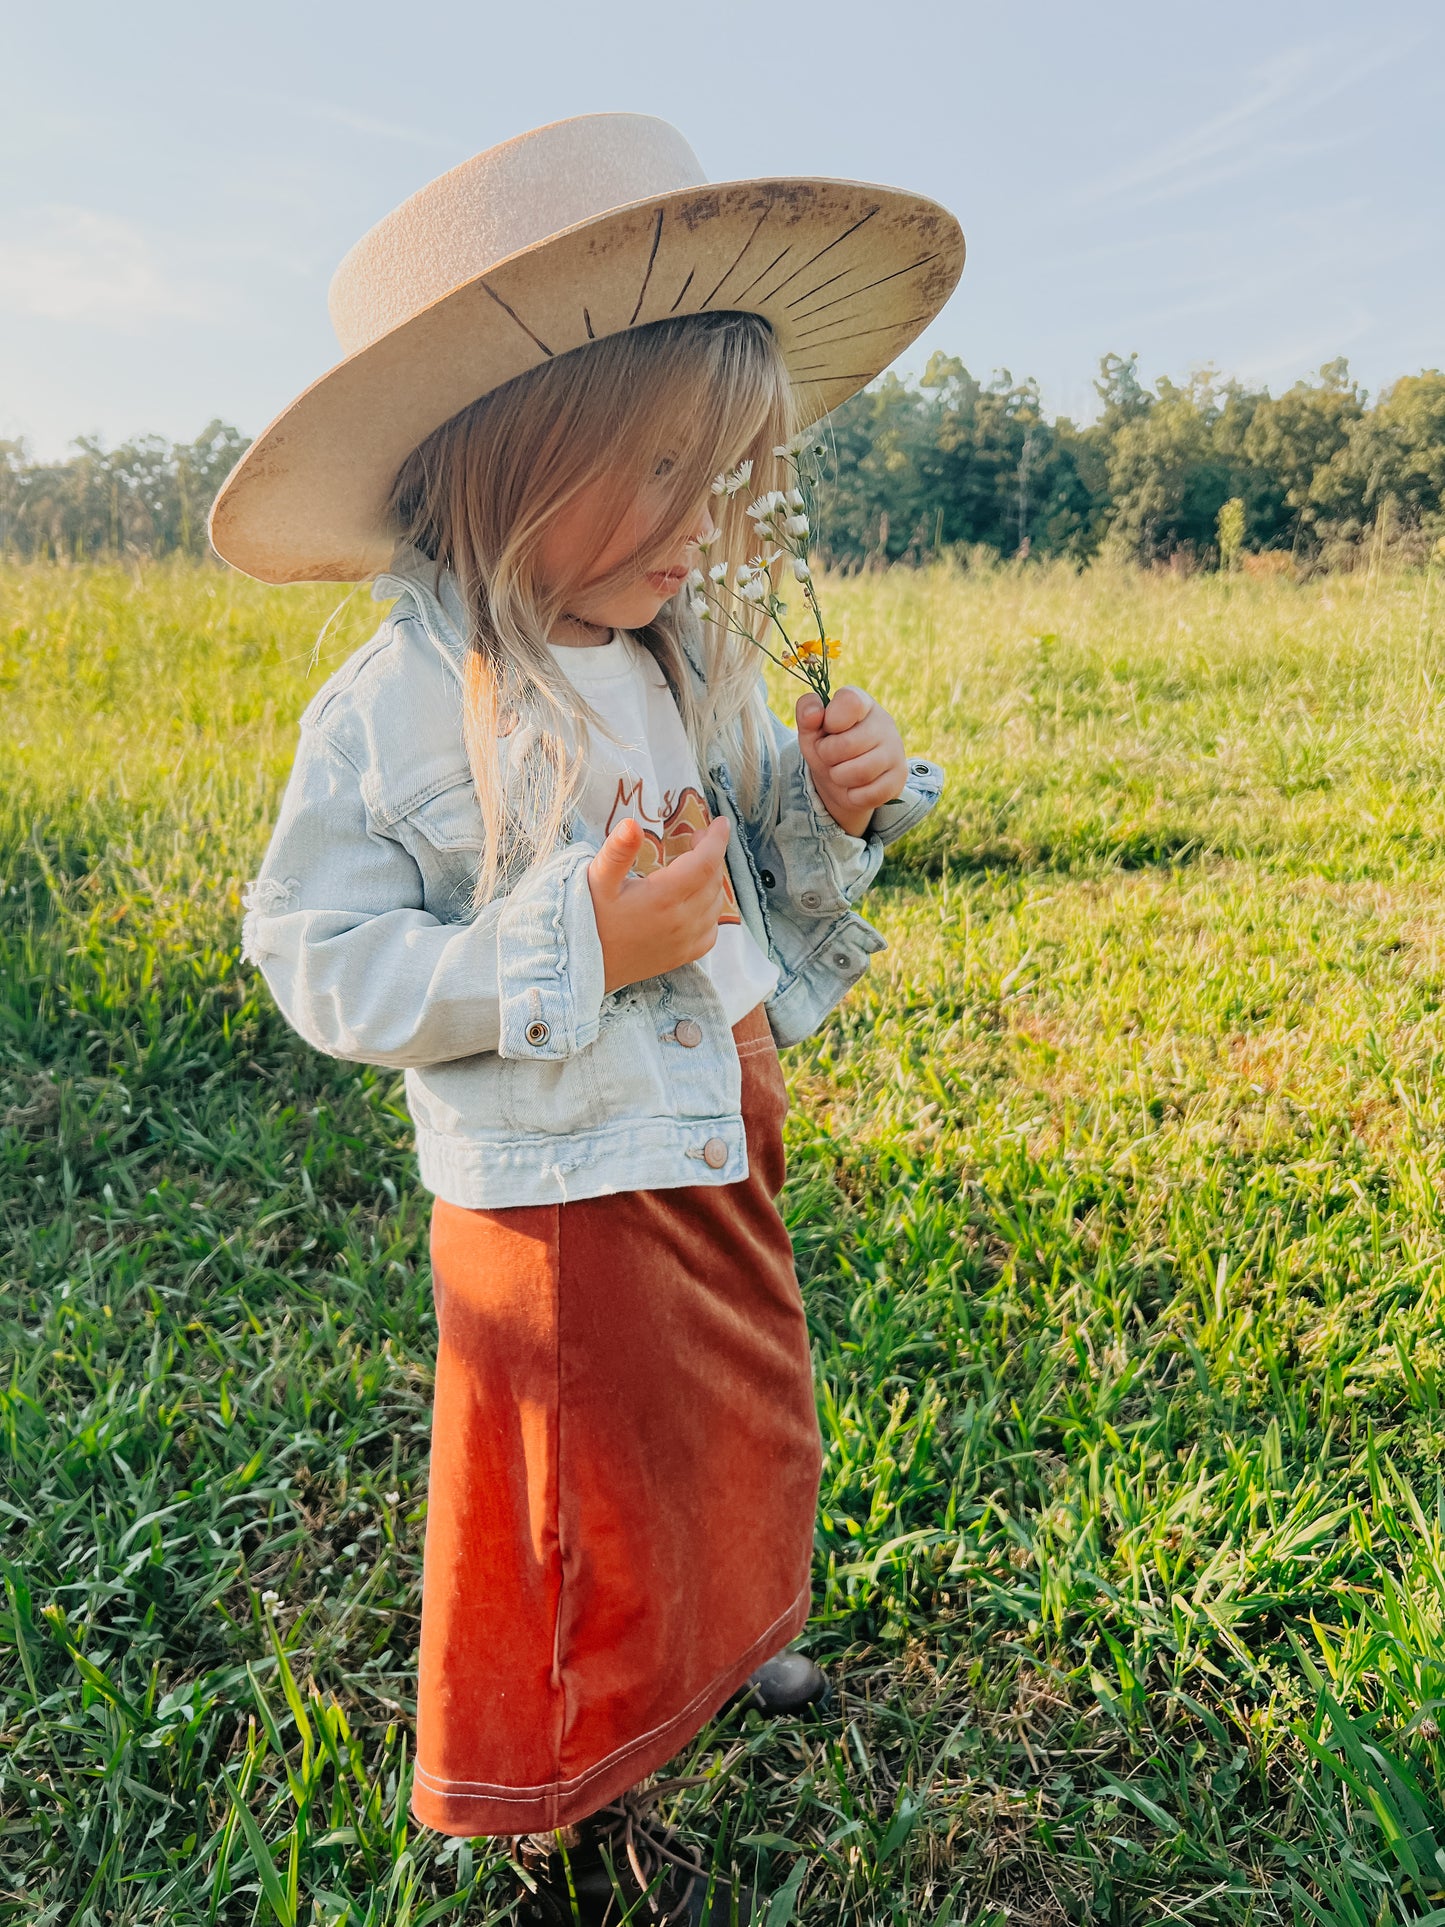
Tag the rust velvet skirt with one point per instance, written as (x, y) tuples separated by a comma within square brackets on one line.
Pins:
[(624, 1473)]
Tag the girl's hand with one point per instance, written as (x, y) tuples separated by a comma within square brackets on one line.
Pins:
[(854, 753), (652, 924)]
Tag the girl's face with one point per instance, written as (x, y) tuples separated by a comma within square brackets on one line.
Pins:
[(591, 613)]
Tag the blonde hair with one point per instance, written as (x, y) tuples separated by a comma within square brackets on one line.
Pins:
[(476, 496)]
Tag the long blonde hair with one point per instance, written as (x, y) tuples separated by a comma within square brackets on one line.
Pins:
[(476, 496)]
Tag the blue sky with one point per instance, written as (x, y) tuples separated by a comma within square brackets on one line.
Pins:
[(1253, 185)]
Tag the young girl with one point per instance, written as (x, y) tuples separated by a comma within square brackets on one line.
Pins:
[(545, 848)]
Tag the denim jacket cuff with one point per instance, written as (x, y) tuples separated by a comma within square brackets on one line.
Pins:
[(550, 978), (920, 793), (827, 870)]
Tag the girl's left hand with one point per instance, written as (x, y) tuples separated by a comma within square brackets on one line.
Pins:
[(854, 753)]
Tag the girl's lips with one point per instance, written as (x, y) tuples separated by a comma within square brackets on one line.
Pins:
[(668, 579)]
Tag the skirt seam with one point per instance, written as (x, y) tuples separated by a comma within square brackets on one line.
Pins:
[(487, 1790), (559, 1682)]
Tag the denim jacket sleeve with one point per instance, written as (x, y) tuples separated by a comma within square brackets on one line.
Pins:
[(827, 870), (362, 970)]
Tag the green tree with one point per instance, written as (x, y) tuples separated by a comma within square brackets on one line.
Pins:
[(1297, 439), (1397, 451), (954, 461), (146, 497), (1229, 531), (1169, 476)]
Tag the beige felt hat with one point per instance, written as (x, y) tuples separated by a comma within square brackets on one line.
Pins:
[(576, 230)]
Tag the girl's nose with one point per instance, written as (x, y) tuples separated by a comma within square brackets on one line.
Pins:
[(703, 529)]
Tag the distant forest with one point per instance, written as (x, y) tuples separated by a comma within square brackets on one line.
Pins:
[(1201, 474)]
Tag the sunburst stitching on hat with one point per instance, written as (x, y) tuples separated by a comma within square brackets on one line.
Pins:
[(860, 334), (707, 302), (823, 306), (842, 273), (683, 290), (507, 308), (803, 266), (642, 291), (743, 293)]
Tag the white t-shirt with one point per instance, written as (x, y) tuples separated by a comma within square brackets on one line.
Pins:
[(655, 780)]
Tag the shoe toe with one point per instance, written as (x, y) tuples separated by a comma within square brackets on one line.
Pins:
[(786, 1683)]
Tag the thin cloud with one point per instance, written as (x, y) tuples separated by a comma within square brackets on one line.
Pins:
[(332, 115), (67, 263), (1246, 136)]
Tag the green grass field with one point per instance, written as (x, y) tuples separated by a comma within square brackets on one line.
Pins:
[(1118, 1192)]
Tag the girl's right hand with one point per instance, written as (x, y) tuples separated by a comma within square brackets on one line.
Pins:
[(649, 925)]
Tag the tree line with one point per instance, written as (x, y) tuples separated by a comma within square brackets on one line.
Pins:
[(1196, 474), (147, 497)]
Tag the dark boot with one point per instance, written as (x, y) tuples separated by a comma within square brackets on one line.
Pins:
[(623, 1863)]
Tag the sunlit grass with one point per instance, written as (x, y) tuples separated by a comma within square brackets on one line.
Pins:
[(1117, 1195)]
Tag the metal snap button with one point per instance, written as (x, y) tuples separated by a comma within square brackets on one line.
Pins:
[(537, 1032), (810, 899), (842, 959), (919, 769), (770, 882), (715, 1153), (687, 1031)]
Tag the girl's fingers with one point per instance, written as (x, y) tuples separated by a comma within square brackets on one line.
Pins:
[(859, 741), (609, 868), (870, 767), (871, 795), (847, 707), (697, 869)]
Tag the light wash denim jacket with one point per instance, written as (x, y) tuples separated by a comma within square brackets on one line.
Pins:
[(527, 1084)]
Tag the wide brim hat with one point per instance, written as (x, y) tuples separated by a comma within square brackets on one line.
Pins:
[(574, 231)]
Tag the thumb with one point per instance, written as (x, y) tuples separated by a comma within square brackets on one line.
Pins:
[(608, 869), (809, 713)]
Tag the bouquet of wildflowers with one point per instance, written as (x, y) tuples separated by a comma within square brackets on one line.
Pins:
[(785, 536)]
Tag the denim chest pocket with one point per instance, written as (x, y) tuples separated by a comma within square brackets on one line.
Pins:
[(445, 836)]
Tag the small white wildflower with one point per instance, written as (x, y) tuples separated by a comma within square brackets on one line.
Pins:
[(755, 589), (720, 485), (270, 1599), (795, 498), (705, 542), (391, 1498), (718, 572), (796, 524), (800, 568), (698, 604), (694, 579)]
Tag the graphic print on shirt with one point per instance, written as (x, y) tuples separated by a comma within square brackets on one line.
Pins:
[(679, 822)]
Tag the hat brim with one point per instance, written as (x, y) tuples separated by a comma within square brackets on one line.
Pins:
[(847, 273)]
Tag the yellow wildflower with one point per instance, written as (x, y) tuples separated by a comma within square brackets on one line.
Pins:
[(812, 651)]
